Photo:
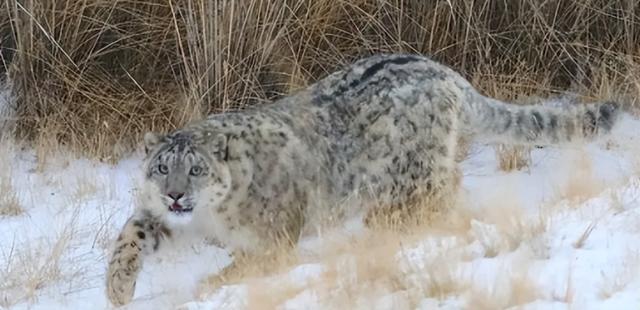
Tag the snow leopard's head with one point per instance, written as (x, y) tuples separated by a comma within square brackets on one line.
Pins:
[(182, 168)]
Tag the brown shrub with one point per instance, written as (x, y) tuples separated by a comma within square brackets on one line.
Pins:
[(95, 74)]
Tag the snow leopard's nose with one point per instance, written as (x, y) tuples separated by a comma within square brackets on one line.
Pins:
[(175, 196)]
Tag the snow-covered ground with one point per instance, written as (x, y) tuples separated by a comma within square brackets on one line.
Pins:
[(562, 233)]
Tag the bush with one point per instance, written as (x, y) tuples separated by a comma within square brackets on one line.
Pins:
[(96, 74)]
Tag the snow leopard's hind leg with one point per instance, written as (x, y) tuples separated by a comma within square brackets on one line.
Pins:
[(422, 168)]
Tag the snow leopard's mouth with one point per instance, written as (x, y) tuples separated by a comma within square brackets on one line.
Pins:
[(179, 209)]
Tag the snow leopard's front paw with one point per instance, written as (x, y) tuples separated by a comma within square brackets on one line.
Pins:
[(140, 235), (121, 277)]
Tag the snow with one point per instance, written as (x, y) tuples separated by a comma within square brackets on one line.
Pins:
[(561, 233)]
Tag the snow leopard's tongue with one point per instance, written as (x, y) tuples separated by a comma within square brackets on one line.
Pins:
[(176, 207)]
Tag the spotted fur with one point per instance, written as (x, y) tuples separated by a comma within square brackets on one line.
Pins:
[(385, 130)]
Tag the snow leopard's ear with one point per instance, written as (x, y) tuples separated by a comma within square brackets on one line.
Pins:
[(219, 145), (151, 139)]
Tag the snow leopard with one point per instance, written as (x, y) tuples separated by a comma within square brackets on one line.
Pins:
[(384, 129)]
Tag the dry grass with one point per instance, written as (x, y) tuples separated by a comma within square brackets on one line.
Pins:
[(94, 75), (85, 188), (513, 157), (9, 201), (518, 289), (578, 244), (264, 295), (28, 268), (40, 253), (360, 270), (424, 209), (582, 183), (245, 267), (376, 268), (10, 204), (502, 224), (622, 277), (6, 42)]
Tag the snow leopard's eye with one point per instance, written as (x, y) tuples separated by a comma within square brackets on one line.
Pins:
[(163, 169), (195, 171)]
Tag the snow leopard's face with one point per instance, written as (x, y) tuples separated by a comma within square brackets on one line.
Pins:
[(182, 169)]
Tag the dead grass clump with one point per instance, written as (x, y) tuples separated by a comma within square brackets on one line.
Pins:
[(360, 270), (96, 74), (513, 157), (27, 270), (7, 40), (355, 271), (10, 204), (89, 73), (518, 290), (383, 267), (425, 208), (246, 267), (622, 276), (578, 244), (84, 187), (582, 183), (503, 225), (441, 280)]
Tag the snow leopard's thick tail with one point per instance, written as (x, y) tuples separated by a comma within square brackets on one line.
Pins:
[(492, 120)]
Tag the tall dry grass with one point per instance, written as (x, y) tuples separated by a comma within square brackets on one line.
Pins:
[(6, 42), (95, 74)]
